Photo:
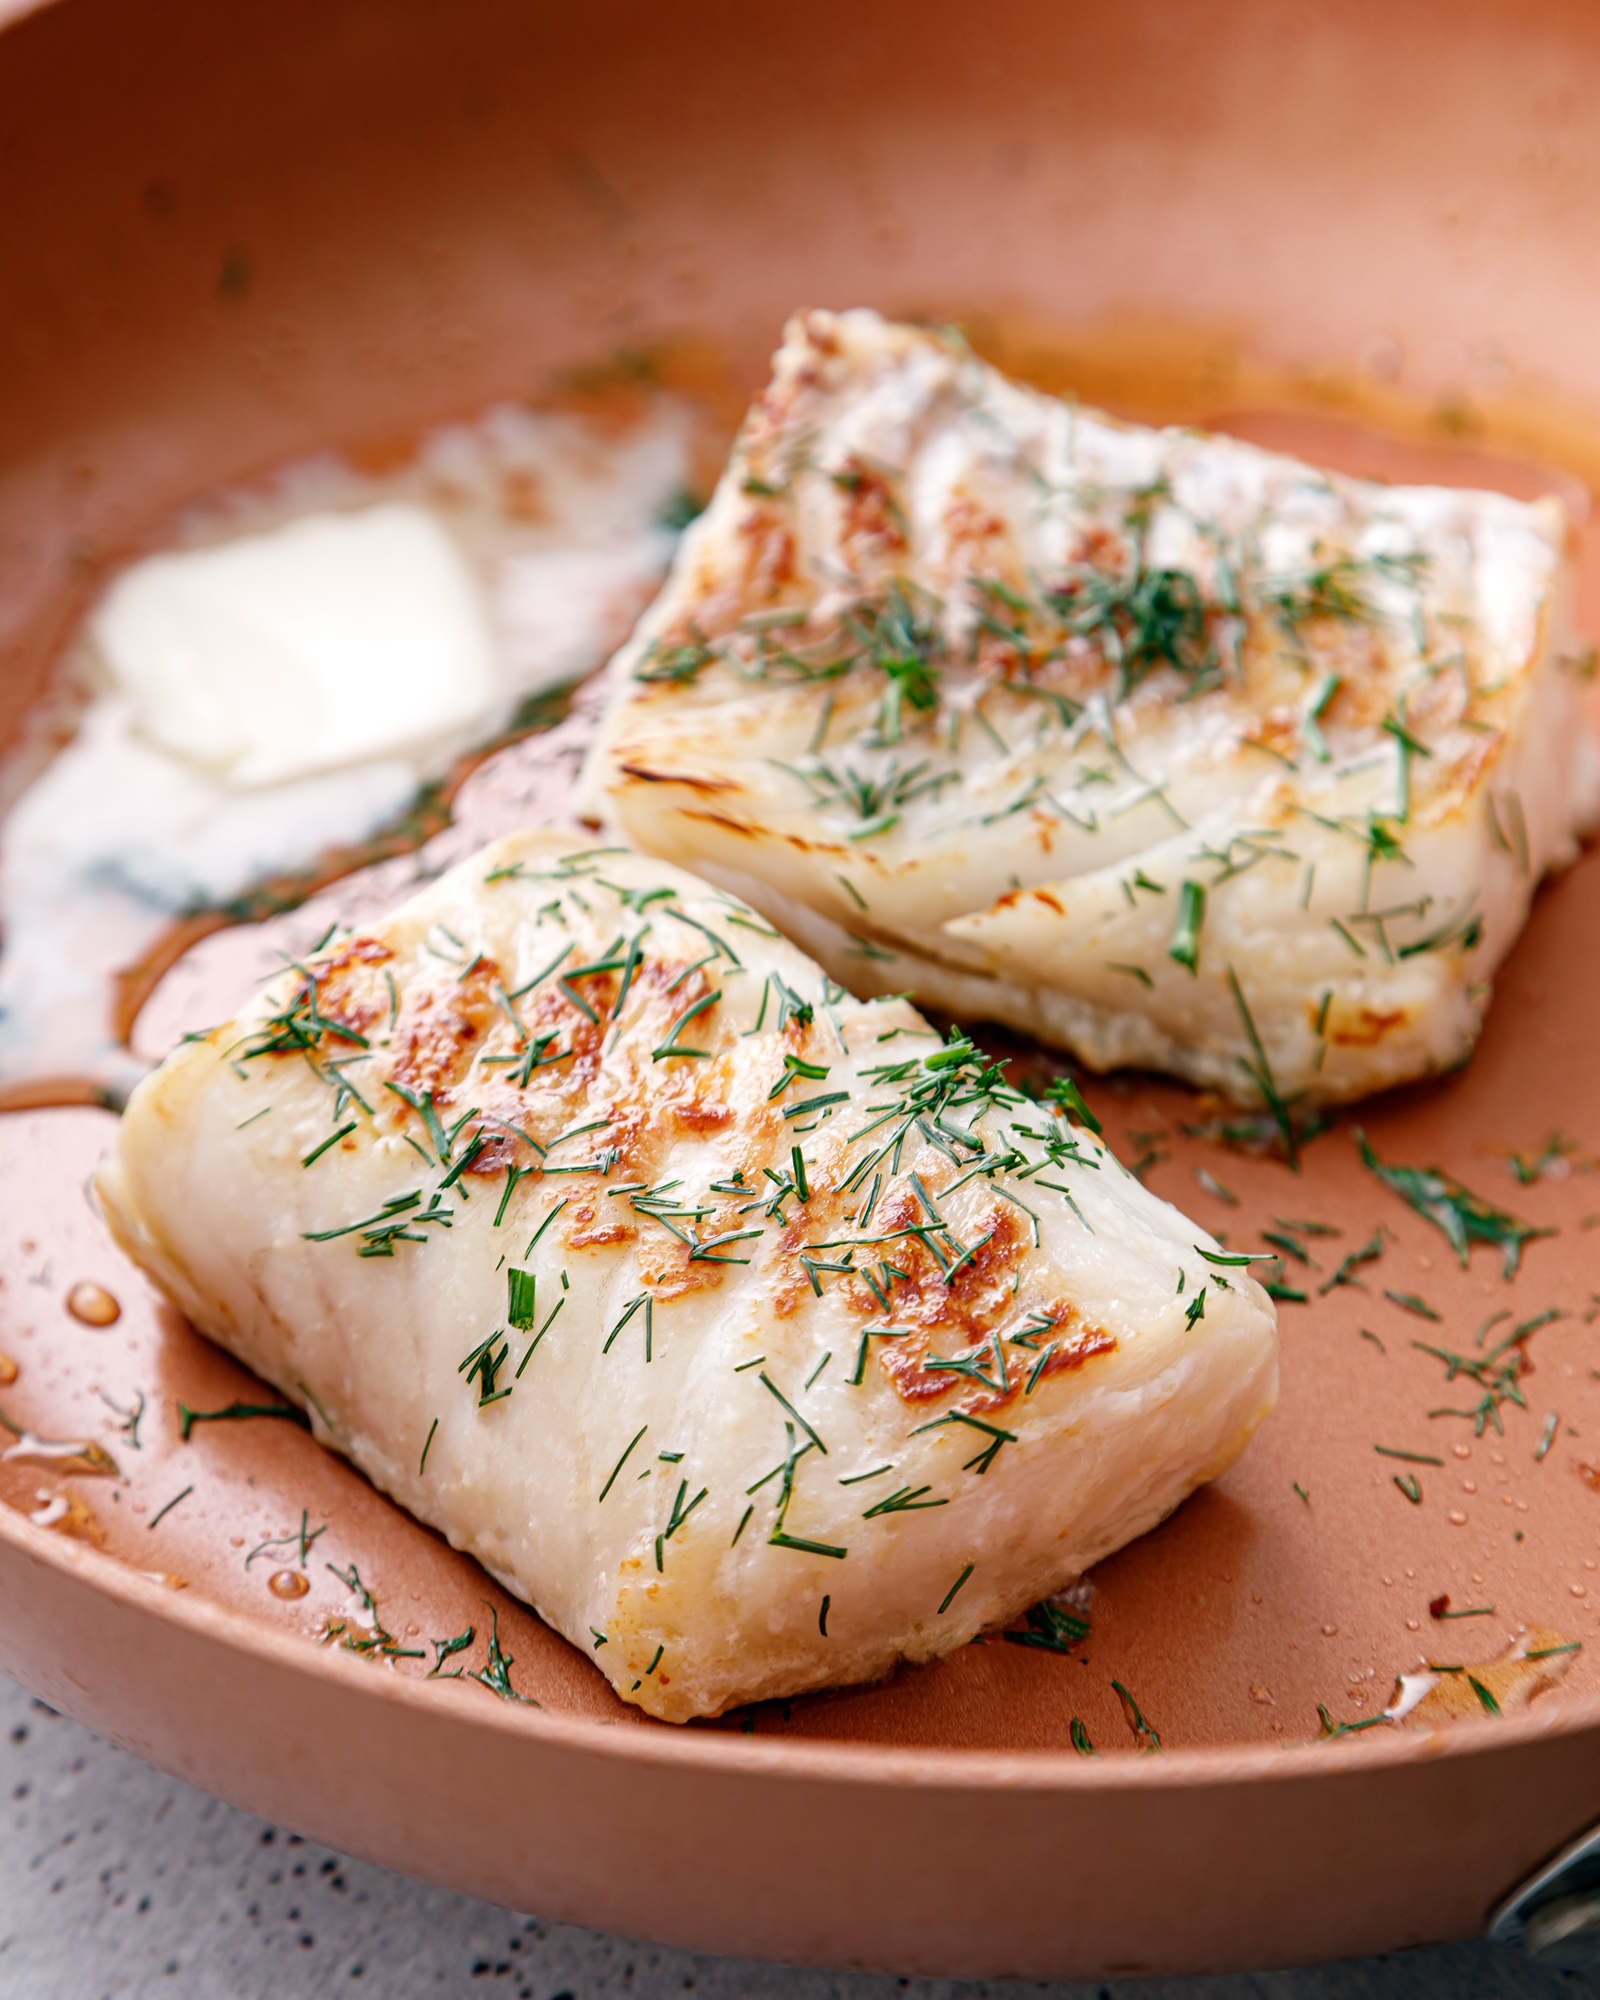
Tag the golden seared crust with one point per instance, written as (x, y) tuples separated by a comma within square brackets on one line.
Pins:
[(1166, 748), (624, 1247)]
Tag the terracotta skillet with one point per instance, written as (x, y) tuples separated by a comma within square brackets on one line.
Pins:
[(230, 240)]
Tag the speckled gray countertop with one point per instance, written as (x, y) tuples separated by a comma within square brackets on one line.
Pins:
[(116, 1880)]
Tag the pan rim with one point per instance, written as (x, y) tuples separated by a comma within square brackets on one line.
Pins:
[(719, 1753)]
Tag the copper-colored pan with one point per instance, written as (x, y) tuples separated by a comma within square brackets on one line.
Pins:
[(229, 237)]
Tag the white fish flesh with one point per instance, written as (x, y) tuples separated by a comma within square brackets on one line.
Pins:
[(755, 1336), (1160, 747)]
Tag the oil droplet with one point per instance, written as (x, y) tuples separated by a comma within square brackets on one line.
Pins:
[(287, 1583), (1469, 1486), (8, 1371), (1330, 1631), (1411, 1625), (1457, 1518), (1462, 1450), (93, 1304), (1578, 1590)]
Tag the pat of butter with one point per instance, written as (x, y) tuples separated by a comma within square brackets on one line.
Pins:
[(337, 639)]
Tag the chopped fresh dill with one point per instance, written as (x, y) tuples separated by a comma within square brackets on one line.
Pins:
[(300, 1540), (543, 1226), (129, 1426), (987, 1456), (1259, 1070), (950, 1594), (671, 1047), (779, 1540), (161, 1517), (1460, 1216), (1328, 1728), (1184, 949), (1368, 1253), (1207, 1180), (1411, 1302), (444, 1649), (906, 1500), (495, 1673), (1144, 1735), (522, 1300), (621, 1462), (369, 1637), (1050, 1629), (1495, 1373), (187, 1418)]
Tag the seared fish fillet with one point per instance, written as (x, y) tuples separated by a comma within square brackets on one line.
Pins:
[(1163, 748), (754, 1336)]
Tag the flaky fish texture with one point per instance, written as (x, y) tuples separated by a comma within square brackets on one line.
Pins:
[(756, 1337), (1169, 750)]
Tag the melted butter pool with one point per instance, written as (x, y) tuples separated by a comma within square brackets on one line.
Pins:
[(287, 677)]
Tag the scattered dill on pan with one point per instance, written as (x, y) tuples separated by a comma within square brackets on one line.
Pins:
[(162, 1513), (238, 1412), (444, 1649), (1049, 1629), (1460, 1216), (298, 1541), (1411, 1302), (495, 1673), (1495, 1373), (1143, 1734), (1368, 1253)]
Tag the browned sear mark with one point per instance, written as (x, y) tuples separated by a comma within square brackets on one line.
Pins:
[(1368, 1028), (436, 1033), (586, 1231), (347, 988), (693, 781), (905, 1362)]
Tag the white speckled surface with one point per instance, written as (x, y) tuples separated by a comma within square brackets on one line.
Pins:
[(116, 1880)]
